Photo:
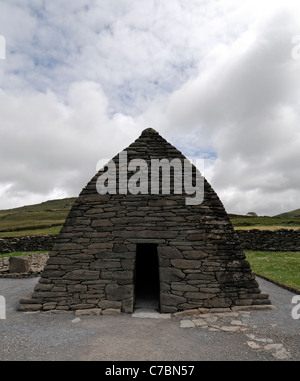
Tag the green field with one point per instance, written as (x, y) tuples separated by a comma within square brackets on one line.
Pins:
[(53, 230), (269, 223), (281, 267), (48, 218), (45, 218), (21, 253)]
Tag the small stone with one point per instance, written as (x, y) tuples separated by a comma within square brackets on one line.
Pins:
[(200, 323), (252, 308), (262, 340), (253, 345), (244, 314), (76, 320), (82, 275), (205, 316), (221, 310), (212, 319), (171, 299), (203, 310), (281, 354), (18, 265), (272, 346), (111, 311), (30, 307), (187, 313), (90, 311), (222, 314), (236, 322), (31, 312), (106, 304), (230, 329), (185, 263), (187, 324)]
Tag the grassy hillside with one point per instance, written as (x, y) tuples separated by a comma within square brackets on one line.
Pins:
[(270, 223), (48, 218), (293, 213)]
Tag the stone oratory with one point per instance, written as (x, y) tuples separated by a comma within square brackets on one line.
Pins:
[(117, 251)]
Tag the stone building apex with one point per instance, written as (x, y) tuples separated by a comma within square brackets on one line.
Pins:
[(149, 131)]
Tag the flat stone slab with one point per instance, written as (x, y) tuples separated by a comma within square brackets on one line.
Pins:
[(90, 311), (187, 324), (230, 328), (76, 320), (145, 313), (18, 265)]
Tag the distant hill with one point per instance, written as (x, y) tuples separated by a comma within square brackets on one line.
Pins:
[(293, 213), (44, 215)]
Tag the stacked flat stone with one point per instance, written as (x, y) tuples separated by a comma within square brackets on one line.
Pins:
[(92, 263), (252, 239)]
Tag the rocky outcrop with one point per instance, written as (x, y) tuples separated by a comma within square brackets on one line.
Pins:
[(27, 266)]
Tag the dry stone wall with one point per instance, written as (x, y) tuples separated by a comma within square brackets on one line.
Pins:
[(92, 263), (197, 267), (26, 243), (278, 240)]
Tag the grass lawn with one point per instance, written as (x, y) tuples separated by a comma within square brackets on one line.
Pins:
[(282, 267), (40, 217), (266, 227), (53, 230), (20, 253), (265, 223)]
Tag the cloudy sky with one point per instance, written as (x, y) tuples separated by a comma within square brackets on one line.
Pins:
[(218, 79)]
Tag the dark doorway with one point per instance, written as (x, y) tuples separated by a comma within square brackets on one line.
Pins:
[(146, 277)]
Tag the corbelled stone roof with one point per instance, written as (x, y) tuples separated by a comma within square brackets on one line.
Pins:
[(92, 264)]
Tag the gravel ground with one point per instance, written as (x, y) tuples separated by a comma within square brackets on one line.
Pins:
[(261, 335)]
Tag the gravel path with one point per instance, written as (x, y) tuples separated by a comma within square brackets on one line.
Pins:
[(258, 335)]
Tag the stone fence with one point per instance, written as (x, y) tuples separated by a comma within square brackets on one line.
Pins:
[(278, 240), (27, 243)]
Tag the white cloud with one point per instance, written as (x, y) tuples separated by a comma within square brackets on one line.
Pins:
[(245, 105), (83, 78), (49, 146)]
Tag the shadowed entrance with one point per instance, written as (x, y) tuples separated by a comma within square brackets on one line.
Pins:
[(146, 277)]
